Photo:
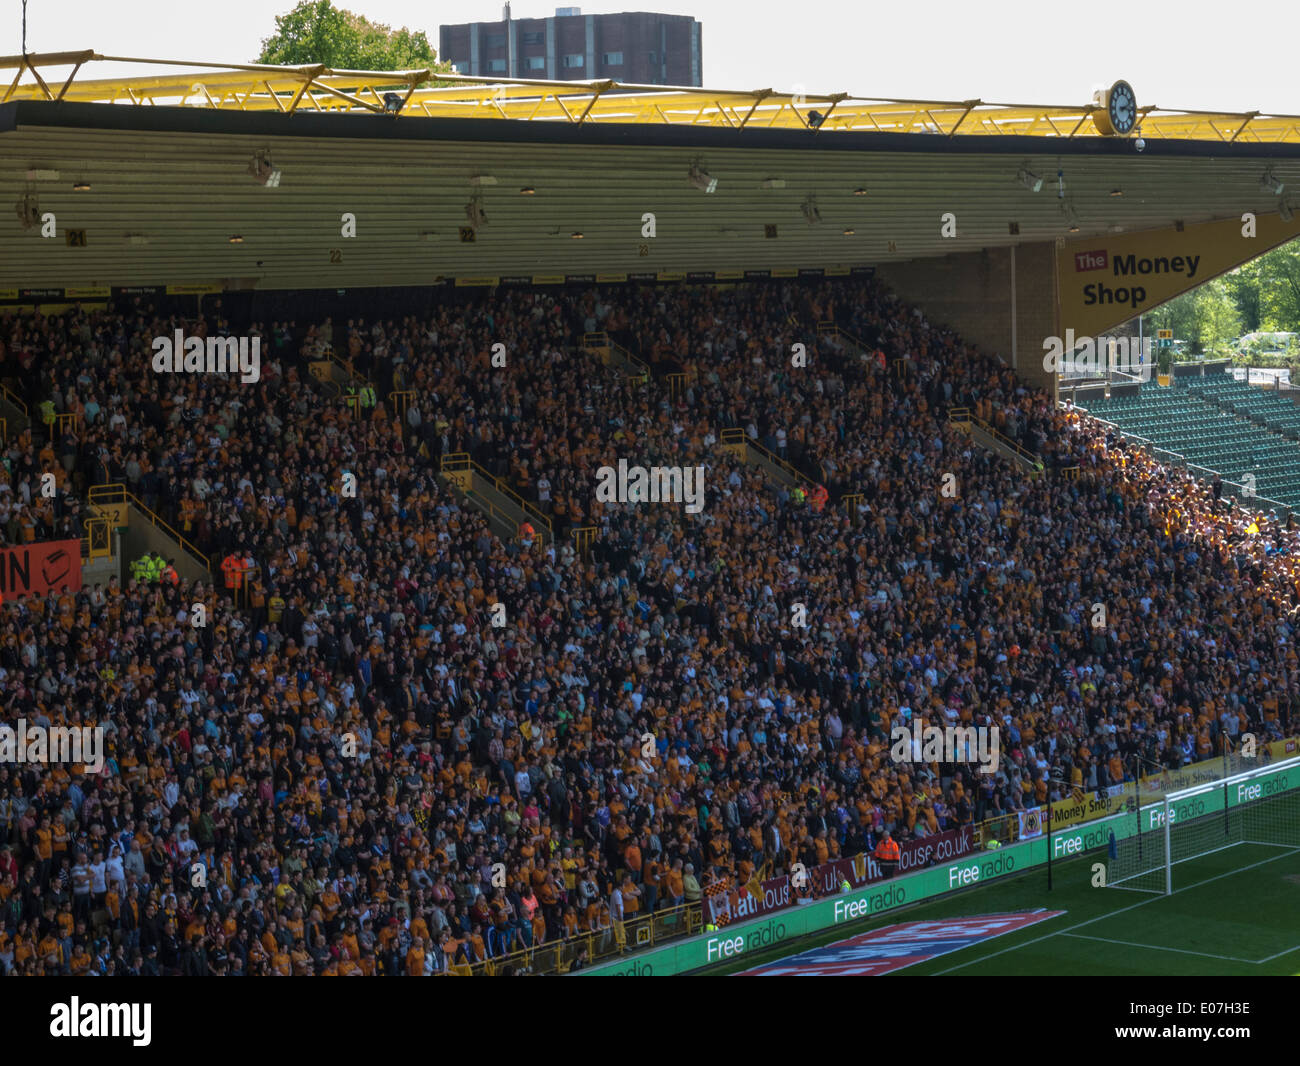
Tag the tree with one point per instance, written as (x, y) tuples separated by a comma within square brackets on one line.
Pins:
[(318, 32), (1279, 289)]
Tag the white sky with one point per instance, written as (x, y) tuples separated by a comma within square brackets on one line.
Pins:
[(1176, 53)]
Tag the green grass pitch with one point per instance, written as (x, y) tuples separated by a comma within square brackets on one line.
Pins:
[(1232, 913)]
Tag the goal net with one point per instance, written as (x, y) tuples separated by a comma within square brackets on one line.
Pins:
[(1255, 807)]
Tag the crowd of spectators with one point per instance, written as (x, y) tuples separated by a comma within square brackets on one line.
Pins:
[(351, 770)]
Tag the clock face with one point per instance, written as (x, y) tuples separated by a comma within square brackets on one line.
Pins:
[(1121, 106)]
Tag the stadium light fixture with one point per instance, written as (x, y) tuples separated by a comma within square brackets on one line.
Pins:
[(1116, 192), (392, 103), (527, 190), (1269, 183), (263, 171), (475, 213), (859, 191), (576, 235), (1029, 180), (850, 232), (28, 212), (700, 178), (815, 119), (81, 186), (236, 239)]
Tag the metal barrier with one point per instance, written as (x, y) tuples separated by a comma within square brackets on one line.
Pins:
[(4, 430), (583, 538), (118, 493), (345, 365), (8, 394), (734, 436), (61, 421), (402, 400), (98, 540), (968, 421), (1070, 473), (679, 382), (850, 501), (1234, 488), (556, 957), (460, 461)]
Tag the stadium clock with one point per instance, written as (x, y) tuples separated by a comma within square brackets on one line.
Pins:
[(1118, 110)]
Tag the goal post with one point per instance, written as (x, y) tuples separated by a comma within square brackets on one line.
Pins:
[(1259, 807)]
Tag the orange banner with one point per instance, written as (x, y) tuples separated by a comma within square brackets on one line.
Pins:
[(35, 569)]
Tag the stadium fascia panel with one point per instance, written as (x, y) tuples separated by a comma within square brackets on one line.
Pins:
[(113, 117)]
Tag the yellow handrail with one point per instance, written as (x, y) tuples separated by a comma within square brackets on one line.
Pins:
[(963, 416), (98, 541), (15, 399), (735, 435), (118, 493), (62, 420), (583, 538), (402, 400), (461, 461), (557, 956)]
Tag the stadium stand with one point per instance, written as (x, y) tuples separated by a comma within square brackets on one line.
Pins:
[(500, 809), (1220, 426)]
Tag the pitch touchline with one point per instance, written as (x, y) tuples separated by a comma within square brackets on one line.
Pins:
[(1111, 914), (1157, 947)]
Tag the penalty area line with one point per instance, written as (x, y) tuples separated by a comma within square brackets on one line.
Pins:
[(1112, 914)]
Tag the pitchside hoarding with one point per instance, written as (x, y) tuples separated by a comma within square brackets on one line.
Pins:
[(747, 938), (777, 893)]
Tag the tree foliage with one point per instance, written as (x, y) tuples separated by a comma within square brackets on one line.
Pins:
[(318, 32), (1264, 294)]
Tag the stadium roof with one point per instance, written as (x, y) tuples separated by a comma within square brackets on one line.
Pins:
[(166, 161), (287, 89)]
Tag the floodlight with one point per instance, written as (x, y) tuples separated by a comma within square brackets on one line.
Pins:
[(701, 179)]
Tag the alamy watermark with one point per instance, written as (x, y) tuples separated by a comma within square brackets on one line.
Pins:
[(219, 355), (658, 484), (947, 744), (1094, 356), (38, 744)]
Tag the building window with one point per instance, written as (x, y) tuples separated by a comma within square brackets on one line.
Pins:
[(612, 59), (496, 66), (496, 40), (461, 66), (534, 38), (573, 61), (536, 62), (654, 57)]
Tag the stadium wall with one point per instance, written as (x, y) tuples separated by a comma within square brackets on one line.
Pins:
[(972, 293), (734, 941)]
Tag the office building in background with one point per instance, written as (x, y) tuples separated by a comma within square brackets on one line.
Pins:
[(638, 47)]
